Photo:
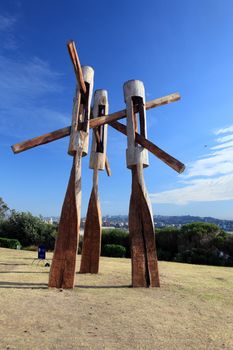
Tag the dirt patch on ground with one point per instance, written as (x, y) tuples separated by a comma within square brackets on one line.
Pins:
[(193, 309)]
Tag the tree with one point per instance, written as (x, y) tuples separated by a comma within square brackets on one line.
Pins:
[(28, 229), (166, 242), (199, 243), (3, 209)]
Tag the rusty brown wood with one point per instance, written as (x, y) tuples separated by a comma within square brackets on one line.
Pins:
[(62, 270), (92, 236), (55, 135), (93, 123), (172, 162), (41, 140), (141, 228), (76, 63)]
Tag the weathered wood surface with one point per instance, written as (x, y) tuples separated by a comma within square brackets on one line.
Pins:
[(93, 225), (142, 237), (58, 134), (141, 227), (62, 272), (92, 235), (79, 135), (63, 267), (172, 162), (99, 144), (41, 140), (77, 66)]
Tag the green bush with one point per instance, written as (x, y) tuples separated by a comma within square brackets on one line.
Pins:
[(113, 250), (9, 243), (28, 229), (117, 237), (166, 242)]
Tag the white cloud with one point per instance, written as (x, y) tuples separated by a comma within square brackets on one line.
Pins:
[(29, 89), (224, 130), (7, 22), (207, 179), (7, 32), (25, 89)]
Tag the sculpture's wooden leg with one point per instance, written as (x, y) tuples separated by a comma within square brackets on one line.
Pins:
[(141, 228), (63, 268), (92, 236)]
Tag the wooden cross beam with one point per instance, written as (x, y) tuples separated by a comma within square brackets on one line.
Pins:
[(111, 119)]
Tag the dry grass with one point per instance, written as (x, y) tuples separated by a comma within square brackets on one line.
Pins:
[(193, 309)]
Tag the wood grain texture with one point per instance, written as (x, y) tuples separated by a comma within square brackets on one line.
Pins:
[(79, 135), (62, 272), (93, 225), (141, 227), (172, 162), (56, 135), (142, 237), (41, 140), (92, 236), (76, 63)]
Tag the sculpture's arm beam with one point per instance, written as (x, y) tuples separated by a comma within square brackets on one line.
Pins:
[(76, 63), (122, 114), (58, 134), (41, 140), (172, 162)]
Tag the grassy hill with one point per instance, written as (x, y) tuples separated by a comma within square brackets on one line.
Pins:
[(193, 309)]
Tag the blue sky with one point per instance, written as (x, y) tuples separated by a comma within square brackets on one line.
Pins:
[(181, 45)]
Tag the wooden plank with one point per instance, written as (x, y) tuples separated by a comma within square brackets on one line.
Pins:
[(92, 236), (141, 227), (172, 162), (58, 134), (41, 140), (145, 271), (62, 270), (77, 66)]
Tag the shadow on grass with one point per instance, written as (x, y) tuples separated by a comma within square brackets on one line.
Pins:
[(32, 258), (8, 264), (102, 287), (26, 285), (25, 272), (19, 285)]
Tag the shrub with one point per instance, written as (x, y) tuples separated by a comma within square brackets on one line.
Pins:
[(197, 235), (29, 229), (117, 237), (113, 250), (9, 243), (166, 243)]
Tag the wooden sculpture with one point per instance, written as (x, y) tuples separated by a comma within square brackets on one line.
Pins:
[(144, 261), (63, 266), (141, 226), (93, 225)]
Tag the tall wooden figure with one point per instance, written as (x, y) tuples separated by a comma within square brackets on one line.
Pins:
[(93, 225), (62, 272), (141, 227)]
